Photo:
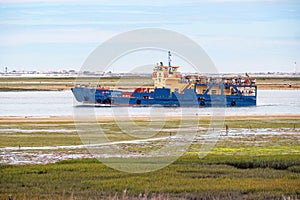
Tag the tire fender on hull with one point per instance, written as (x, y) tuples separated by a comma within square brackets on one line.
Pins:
[(233, 103), (202, 103)]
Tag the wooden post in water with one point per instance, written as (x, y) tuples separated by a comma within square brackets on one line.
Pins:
[(226, 127)]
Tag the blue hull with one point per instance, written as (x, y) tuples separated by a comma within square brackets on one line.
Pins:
[(162, 97)]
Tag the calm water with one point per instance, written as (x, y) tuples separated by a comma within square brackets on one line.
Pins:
[(60, 103)]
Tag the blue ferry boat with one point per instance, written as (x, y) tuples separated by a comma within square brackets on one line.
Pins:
[(172, 89)]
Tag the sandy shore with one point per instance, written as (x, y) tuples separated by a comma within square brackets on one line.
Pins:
[(63, 83), (261, 86), (178, 117)]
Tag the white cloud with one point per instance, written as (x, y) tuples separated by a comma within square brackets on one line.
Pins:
[(78, 35), (74, 22)]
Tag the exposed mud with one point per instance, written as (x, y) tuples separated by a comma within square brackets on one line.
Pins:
[(51, 154)]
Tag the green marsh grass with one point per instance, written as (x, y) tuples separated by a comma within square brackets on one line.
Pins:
[(213, 176), (253, 167)]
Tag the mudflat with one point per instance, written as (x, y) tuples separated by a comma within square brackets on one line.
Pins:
[(66, 83)]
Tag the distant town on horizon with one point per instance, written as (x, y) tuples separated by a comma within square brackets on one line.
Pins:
[(74, 73)]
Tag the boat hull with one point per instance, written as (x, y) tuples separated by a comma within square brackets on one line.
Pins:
[(160, 97)]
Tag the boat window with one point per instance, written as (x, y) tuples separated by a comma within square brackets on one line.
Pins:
[(213, 91), (233, 92)]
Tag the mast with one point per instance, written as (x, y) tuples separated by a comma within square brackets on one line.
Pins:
[(169, 58)]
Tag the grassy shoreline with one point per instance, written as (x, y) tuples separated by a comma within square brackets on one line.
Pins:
[(189, 177), (66, 83), (256, 164)]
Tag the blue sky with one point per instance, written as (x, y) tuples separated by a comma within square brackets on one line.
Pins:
[(238, 35)]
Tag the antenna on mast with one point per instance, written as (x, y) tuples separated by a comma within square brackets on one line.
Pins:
[(169, 58)]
